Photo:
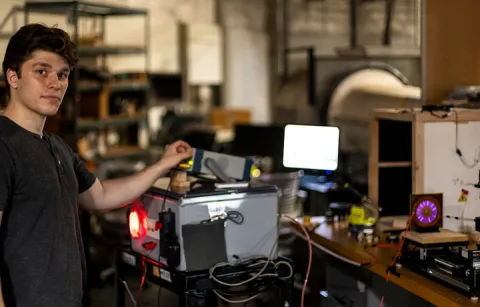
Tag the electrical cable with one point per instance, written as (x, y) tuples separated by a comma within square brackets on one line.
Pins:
[(238, 284), (263, 281), (331, 253), (310, 256), (128, 291), (158, 295), (245, 263), (459, 153), (267, 272), (162, 210), (233, 216), (142, 281), (166, 195), (246, 300), (462, 217), (366, 201), (144, 268), (397, 254)]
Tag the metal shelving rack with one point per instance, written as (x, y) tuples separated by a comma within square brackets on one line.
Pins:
[(69, 122)]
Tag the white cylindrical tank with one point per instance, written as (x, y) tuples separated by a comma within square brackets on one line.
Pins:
[(355, 97)]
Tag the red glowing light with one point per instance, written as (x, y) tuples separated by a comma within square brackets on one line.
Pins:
[(137, 222)]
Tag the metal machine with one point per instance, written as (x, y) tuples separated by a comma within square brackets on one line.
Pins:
[(208, 224), (452, 263), (205, 226)]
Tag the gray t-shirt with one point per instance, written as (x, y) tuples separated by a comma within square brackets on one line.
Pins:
[(42, 261)]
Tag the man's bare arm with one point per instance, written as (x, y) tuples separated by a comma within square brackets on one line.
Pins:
[(2, 303), (111, 194)]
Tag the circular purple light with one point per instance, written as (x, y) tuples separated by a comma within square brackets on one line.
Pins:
[(426, 212)]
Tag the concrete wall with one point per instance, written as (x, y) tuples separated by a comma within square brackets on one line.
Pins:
[(325, 26), (244, 69), (247, 53)]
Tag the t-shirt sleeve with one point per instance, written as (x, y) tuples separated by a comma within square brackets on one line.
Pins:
[(85, 178), (7, 171)]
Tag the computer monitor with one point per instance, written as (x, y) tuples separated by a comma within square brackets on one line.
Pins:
[(309, 147), (258, 140)]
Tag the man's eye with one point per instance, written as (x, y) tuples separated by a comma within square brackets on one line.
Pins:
[(62, 76), (41, 72)]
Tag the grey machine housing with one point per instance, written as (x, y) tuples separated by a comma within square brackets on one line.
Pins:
[(201, 239)]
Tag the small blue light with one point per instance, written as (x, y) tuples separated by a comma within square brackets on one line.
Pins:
[(328, 172)]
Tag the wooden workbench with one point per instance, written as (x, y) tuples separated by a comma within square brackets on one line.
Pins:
[(334, 237)]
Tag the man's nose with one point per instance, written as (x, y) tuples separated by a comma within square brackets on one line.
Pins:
[(54, 82)]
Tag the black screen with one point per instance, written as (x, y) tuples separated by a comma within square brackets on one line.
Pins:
[(257, 140)]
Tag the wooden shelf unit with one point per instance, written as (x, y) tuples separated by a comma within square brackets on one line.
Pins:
[(399, 149)]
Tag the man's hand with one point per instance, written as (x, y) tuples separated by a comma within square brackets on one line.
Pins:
[(175, 154)]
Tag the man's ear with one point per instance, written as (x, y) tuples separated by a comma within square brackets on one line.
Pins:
[(12, 78)]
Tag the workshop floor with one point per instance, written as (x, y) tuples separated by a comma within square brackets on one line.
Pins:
[(105, 297)]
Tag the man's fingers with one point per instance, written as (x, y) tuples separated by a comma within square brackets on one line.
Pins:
[(186, 154), (179, 144)]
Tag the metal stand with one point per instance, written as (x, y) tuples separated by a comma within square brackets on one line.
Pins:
[(190, 287)]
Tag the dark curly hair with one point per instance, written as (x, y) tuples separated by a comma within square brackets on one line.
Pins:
[(33, 37)]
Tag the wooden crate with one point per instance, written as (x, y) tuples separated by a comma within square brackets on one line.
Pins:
[(413, 152), (227, 118)]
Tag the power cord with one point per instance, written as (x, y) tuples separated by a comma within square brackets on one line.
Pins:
[(144, 268), (233, 216), (310, 256), (128, 291), (268, 272), (365, 200), (258, 283), (142, 281), (163, 209), (247, 263), (392, 268), (459, 153), (159, 293)]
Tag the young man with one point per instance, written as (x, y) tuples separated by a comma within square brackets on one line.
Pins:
[(42, 181)]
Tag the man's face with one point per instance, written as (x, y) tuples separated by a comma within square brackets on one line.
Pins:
[(43, 83)]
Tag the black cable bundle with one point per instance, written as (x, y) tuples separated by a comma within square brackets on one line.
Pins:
[(233, 216), (247, 277)]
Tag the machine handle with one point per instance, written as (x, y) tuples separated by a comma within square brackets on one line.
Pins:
[(216, 170)]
